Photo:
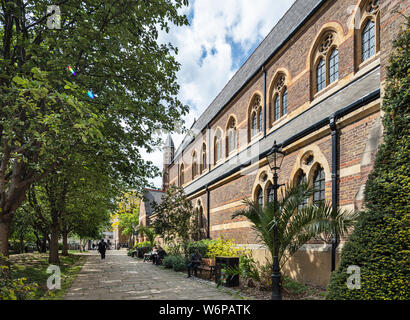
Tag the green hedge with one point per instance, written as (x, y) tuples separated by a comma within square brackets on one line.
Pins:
[(178, 263), (379, 245), (202, 246)]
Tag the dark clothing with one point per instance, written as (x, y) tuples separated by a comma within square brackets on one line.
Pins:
[(160, 256), (102, 247), (194, 263)]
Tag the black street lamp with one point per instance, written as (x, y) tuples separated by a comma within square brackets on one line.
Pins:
[(275, 158)]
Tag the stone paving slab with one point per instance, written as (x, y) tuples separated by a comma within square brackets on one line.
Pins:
[(120, 277)]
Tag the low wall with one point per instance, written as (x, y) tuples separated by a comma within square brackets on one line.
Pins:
[(309, 265)]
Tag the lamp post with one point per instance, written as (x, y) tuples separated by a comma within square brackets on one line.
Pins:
[(275, 158)]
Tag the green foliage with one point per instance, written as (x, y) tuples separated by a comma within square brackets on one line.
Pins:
[(201, 245), (177, 263), (15, 289), (149, 233), (295, 225), (248, 267), (379, 244), (174, 216), (168, 261), (224, 248), (143, 244)]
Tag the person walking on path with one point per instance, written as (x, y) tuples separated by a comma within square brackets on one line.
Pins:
[(102, 247), (196, 259)]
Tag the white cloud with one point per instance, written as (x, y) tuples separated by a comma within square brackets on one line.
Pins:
[(220, 37)]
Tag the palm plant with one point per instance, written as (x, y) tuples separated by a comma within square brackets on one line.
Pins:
[(296, 223)]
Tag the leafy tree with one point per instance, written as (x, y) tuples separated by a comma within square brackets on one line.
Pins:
[(296, 225), (379, 244), (45, 113), (126, 216), (149, 233), (173, 216)]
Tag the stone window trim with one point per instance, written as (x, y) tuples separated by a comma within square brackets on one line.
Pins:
[(255, 116), (194, 165), (370, 11), (279, 98), (231, 136), (323, 54), (218, 146), (203, 158)]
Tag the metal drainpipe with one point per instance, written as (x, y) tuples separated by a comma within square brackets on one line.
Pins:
[(208, 213), (264, 101), (335, 157)]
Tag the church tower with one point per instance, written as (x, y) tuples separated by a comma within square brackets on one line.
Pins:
[(168, 156)]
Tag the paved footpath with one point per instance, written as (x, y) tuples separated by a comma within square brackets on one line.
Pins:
[(120, 277)]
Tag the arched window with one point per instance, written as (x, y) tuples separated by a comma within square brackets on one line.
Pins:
[(302, 179), (319, 186), (181, 175), (368, 40), (326, 61), (285, 101), (194, 166), (334, 66), (320, 75), (277, 107), (218, 146), (203, 158), (259, 197), (270, 192), (280, 98), (254, 125), (201, 217), (231, 136), (255, 117)]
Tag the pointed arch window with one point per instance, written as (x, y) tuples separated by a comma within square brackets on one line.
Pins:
[(319, 186), (231, 136), (256, 117), (333, 66), (218, 146), (280, 98), (203, 158), (302, 179), (270, 192), (327, 61), (181, 175), (321, 75), (368, 40), (259, 197), (194, 166)]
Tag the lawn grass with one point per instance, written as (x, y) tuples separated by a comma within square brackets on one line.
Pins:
[(33, 266)]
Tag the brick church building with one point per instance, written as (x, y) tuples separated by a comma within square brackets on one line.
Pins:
[(313, 85)]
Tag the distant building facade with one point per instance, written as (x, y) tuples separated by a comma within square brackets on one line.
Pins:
[(314, 85)]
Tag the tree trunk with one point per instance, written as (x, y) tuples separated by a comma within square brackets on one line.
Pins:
[(21, 244), (4, 242), (65, 243), (53, 257)]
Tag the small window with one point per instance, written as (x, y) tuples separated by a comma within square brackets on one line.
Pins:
[(203, 164), (260, 119), (319, 186), (285, 101), (321, 75), (368, 41), (270, 192), (260, 197), (277, 107), (302, 179), (333, 66), (254, 125)]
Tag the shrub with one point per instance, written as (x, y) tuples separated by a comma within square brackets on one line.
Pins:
[(265, 272), (223, 247), (202, 246), (379, 244), (179, 263), (143, 244), (168, 262), (248, 267), (15, 289)]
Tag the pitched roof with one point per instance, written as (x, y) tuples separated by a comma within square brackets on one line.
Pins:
[(151, 196), (287, 25)]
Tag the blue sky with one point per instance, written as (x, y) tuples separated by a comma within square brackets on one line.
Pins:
[(219, 39)]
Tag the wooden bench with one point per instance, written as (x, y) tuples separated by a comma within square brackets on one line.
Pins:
[(207, 265)]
